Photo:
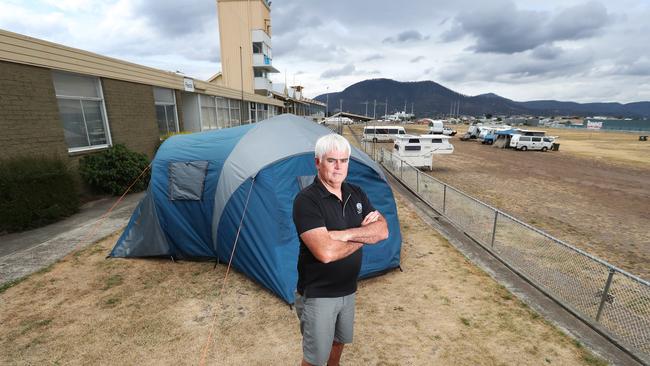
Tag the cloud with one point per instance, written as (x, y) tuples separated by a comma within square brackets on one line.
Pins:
[(406, 36), (501, 27), (547, 52), (373, 57), (521, 68), (578, 22), (291, 18), (416, 59), (172, 19), (638, 67), (297, 46), (343, 71), (36, 24)]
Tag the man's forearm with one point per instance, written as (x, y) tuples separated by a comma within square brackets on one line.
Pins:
[(369, 234), (340, 249)]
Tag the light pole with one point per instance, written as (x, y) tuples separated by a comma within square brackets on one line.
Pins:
[(327, 103), (340, 115), (374, 110)]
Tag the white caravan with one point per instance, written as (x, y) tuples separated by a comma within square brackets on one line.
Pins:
[(418, 150), (382, 133)]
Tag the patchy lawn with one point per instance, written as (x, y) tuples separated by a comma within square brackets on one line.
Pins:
[(441, 310)]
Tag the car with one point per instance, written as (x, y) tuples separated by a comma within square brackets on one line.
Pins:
[(448, 131)]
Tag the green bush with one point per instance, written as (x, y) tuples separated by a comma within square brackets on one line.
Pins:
[(114, 170), (35, 192)]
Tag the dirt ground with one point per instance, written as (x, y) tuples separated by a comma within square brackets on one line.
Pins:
[(594, 193), (441, 310)]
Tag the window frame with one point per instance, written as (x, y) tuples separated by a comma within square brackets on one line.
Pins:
[(100, 98), (201, 106), (156, 103)]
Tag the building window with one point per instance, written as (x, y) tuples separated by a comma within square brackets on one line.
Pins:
[(208, 112), (235, 112), (262, 112), (81, 106), (257, 47), (165, 101), (252, 112), (223, 112)]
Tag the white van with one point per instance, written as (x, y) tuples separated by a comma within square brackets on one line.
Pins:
[(382, 133), (435, 126), (418, 150), (521, 142)]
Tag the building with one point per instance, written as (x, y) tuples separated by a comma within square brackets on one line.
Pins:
[(247, 56), (61, 101), (65, 101), (246, 52), (295, 103)]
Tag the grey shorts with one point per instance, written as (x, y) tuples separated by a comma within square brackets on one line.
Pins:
[(322, 321)]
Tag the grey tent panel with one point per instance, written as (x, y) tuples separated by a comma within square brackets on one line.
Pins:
[(259, 148), (305, 180), (186, 180), (147, 228)]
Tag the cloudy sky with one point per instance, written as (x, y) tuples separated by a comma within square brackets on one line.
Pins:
[(584, 51)]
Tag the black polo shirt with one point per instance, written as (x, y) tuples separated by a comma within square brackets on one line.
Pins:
[(316, 207)]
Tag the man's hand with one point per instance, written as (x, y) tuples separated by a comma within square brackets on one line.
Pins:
[(370, 218)]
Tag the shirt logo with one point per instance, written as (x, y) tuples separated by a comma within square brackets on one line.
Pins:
[(359, 207)]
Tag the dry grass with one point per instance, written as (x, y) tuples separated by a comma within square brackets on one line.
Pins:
[(593, 193), (440, 310), (622, 148)]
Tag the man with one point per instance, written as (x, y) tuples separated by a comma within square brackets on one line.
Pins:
[(334, 219)]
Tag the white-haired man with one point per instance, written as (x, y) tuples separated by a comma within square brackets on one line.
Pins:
[(334, 219)]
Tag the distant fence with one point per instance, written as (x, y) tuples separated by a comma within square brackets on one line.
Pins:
[(598, 292)]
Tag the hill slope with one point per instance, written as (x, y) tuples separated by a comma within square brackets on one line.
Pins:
[(429, 98)]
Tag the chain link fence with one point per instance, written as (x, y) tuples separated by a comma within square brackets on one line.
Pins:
[(600, 293)]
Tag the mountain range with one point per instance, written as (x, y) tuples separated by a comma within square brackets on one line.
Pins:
[(430, 99)]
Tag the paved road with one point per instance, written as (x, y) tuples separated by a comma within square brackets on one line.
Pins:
[(24, 253)]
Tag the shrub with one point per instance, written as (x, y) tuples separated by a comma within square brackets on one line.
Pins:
[(114, 170), (35, 192)]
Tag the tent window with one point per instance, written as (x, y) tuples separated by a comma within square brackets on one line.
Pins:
[(186, 180)]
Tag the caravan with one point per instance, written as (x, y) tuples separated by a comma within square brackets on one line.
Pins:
[(382, 133), (419, 150)]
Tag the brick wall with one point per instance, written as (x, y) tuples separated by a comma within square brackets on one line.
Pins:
[(29, 115), (131, 115)]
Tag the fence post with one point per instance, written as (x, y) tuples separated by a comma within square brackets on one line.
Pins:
[(374, 152), (603, 298), (417, 181), (401, 170), (444, 198), (494, 226)]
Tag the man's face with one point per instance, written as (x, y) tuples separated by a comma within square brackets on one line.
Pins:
[(333, 168)]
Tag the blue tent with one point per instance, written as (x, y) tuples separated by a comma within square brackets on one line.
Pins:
[(209, 189)]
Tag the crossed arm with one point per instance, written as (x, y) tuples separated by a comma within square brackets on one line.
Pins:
[(328, 246)]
